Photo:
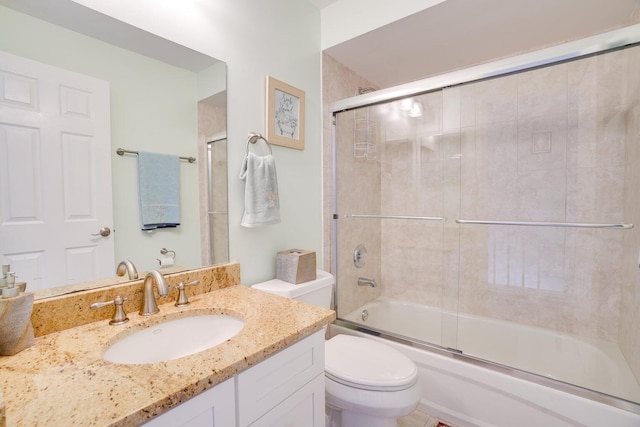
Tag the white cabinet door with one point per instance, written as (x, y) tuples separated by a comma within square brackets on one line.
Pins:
[(285, 390), (211, 408), (269, 383), (304, 408)]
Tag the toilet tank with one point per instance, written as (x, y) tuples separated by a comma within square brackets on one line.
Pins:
[(316, 292)]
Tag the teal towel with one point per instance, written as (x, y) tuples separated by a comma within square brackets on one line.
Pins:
[(159, 190)]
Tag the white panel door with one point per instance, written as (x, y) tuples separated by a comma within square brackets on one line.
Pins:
[(55, 174)]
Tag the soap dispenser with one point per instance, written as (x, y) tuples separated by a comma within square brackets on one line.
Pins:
[(11, 290), (5, 272)]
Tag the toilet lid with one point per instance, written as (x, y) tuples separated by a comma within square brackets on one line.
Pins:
[(367, 364)]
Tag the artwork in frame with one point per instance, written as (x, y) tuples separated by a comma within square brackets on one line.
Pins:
[(285, 114)]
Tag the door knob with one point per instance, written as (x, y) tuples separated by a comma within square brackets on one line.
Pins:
[(104, 232)]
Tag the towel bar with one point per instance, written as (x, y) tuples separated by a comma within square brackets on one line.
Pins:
[(425, 218), (545, 224), (122, 151)]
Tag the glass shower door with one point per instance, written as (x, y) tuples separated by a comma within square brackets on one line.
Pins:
[(495, 218), (391, 173), (544, 169)]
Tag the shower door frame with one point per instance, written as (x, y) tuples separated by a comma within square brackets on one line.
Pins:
[(590, 46)]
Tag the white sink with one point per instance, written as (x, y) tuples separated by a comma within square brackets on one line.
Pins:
[(173, 339)]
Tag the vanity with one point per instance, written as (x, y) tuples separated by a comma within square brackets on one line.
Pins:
[(268, 372)]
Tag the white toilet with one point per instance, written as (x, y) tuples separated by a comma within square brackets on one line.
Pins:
[(367, 383)]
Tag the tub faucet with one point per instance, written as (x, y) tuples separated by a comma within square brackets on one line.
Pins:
[(367, 282), (149, 305), (128, 267)]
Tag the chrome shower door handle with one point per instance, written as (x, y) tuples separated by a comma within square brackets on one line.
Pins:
[(104, 232)]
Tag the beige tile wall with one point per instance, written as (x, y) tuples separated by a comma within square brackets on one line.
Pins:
[(548, 146), (362, 196), (629, 339), (412, 159), (554, 144)]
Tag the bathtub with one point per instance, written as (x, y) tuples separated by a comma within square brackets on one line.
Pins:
[(469, 392)]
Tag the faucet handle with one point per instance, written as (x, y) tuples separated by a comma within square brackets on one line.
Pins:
[(182, 297), (119, 316)]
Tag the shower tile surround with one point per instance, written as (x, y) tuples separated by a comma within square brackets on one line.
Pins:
[(340, 82), (629, 339), (553, 144)]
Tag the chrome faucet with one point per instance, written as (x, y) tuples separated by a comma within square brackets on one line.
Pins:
[(367, 282), (128, 267), (149, 305)]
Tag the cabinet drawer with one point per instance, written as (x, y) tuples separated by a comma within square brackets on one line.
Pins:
[(267, 384)]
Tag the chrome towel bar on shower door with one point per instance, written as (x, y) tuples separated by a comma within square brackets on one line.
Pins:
[(544, 224), (425, 218), (489, 222)]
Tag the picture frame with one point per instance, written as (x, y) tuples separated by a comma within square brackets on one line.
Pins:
[(284, 114)]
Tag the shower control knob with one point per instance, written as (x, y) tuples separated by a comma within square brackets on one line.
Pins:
[(360, 256)]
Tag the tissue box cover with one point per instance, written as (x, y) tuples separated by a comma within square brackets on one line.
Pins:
[(296, 266)]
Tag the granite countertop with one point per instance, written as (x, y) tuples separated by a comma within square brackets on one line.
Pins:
[(63, 379)]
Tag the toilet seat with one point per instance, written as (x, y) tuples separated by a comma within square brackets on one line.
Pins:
[(366, 364)]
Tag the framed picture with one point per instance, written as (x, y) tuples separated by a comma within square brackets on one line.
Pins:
[(285, 114)]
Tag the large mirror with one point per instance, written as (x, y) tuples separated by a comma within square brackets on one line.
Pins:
[(160, 98)]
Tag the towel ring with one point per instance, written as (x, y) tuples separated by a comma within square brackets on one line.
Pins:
[(255, 137)]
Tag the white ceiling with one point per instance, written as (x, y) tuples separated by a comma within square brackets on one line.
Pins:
[(456, 34), (78, 18)]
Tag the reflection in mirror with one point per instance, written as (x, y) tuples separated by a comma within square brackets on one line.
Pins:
[(156, 93), (217, 203)]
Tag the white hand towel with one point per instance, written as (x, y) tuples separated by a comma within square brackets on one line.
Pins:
[(261, 201)]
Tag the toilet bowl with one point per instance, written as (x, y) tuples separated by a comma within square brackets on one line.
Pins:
[(367, 383)]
